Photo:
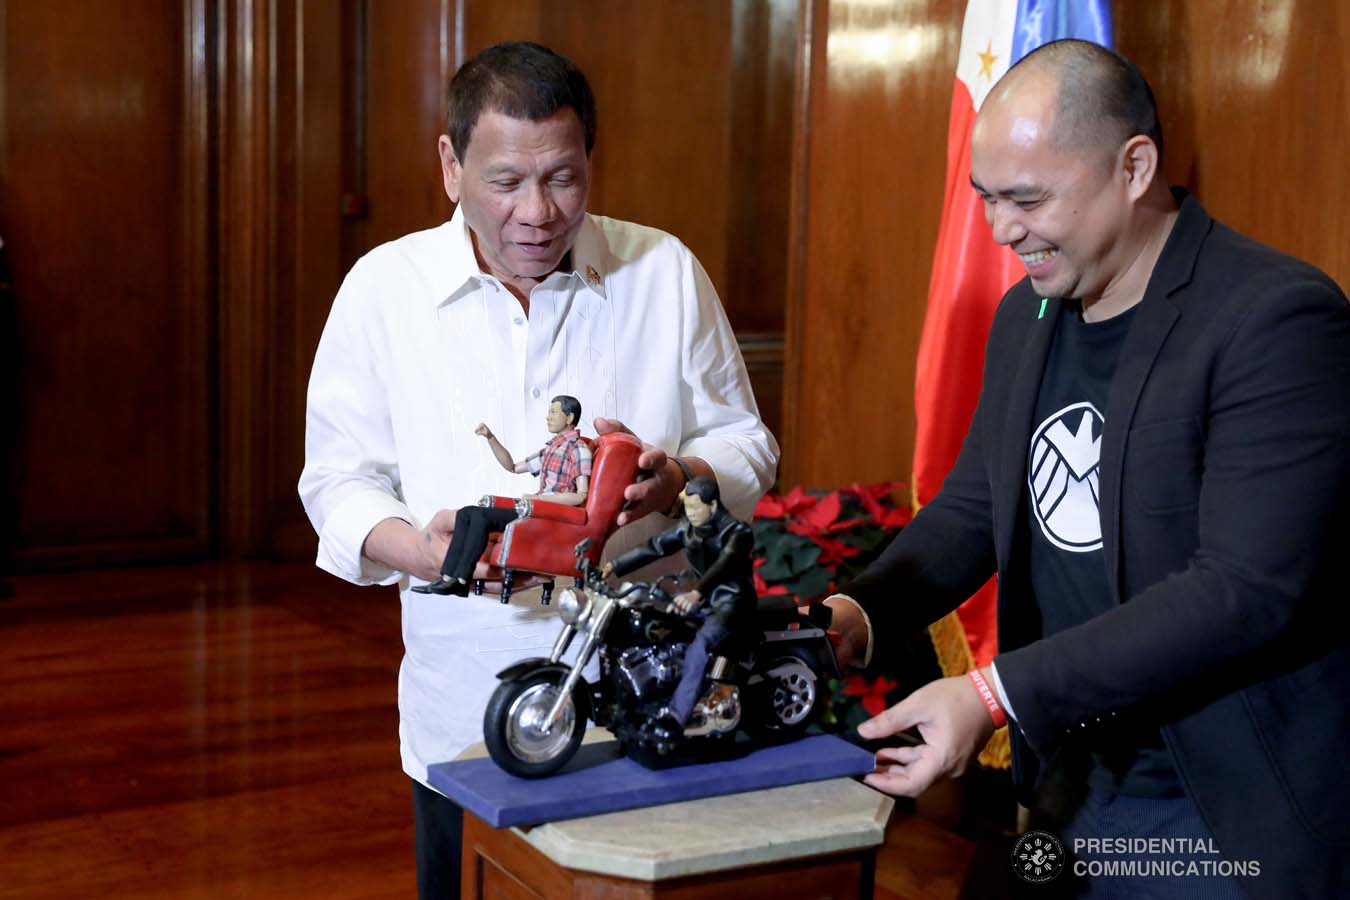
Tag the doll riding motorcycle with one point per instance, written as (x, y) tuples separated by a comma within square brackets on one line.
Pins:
[(765, 676)]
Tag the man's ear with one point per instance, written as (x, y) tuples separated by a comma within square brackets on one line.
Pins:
[(451, 170), (1138, 165)]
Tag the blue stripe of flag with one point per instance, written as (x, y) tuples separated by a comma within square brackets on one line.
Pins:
[(1041, 21)]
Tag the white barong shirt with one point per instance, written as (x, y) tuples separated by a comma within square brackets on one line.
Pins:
[(421, 346)]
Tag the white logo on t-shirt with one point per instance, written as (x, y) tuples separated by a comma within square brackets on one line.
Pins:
[(1063, 477)]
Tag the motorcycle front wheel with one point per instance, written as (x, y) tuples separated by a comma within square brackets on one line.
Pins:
[(513, 725)]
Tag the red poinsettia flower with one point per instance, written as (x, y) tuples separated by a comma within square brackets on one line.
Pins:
[(798, 501), (832, 552), (872, 692), (764, 590), (871, 496), (820, 516), (770, 507), (816, 517)]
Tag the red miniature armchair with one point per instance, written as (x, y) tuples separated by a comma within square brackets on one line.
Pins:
[(542, 538)]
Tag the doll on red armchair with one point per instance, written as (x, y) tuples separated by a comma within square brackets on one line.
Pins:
[(564, 469)]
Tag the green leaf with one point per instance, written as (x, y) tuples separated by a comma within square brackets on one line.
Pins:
[(804, 556), (768, 535), (788, 557), (774, 571), (863, 538), (811, 584)]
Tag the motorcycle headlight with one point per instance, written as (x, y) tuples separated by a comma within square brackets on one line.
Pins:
[(571, 605)]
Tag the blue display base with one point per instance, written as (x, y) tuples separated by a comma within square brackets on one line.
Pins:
[(598, 780)]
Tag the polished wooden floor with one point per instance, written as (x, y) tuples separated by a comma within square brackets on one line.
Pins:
[(230, 730), (225, 730)]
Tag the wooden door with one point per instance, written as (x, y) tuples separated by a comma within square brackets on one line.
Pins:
[(104, 215)]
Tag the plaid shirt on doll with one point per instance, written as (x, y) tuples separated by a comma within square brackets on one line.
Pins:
[(562, 461)]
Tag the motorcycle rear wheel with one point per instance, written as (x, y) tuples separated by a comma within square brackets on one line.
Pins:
[(512, 725), (787, 703)]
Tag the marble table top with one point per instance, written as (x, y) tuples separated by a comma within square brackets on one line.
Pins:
[(716, 833)]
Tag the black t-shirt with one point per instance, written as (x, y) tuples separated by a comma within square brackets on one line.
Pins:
[(1068, 572)]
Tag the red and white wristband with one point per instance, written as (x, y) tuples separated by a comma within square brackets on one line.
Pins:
[(990, 701)]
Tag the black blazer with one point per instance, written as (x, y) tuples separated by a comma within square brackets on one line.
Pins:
[(1225, 505)]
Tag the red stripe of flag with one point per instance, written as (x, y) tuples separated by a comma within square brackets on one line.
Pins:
[(970, 274)]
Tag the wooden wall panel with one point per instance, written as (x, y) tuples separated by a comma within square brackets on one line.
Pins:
[(248, 300), (410, 57), (9, 411), (321, 229), (1255, 101), (869, 176), (366, 83), (103, 208), (763, 79)]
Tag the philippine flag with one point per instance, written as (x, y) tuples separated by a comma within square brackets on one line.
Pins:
[(971, 273)]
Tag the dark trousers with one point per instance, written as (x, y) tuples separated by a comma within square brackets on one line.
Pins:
[(438, 828), (473, 525), (711, 633)]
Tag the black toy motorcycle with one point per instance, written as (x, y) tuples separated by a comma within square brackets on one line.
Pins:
[(536, 717)]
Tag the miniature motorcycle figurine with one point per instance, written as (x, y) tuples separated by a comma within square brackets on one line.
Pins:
[(536, 717)]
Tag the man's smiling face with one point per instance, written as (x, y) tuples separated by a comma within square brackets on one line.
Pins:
[(1062, 210)]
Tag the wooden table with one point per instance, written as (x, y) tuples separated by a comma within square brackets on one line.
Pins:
[(815, 840)]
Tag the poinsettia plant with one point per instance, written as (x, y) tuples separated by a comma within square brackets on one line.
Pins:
[(807, 543)]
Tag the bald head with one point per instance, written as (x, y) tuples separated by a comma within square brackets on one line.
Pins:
[(1096, 98)]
